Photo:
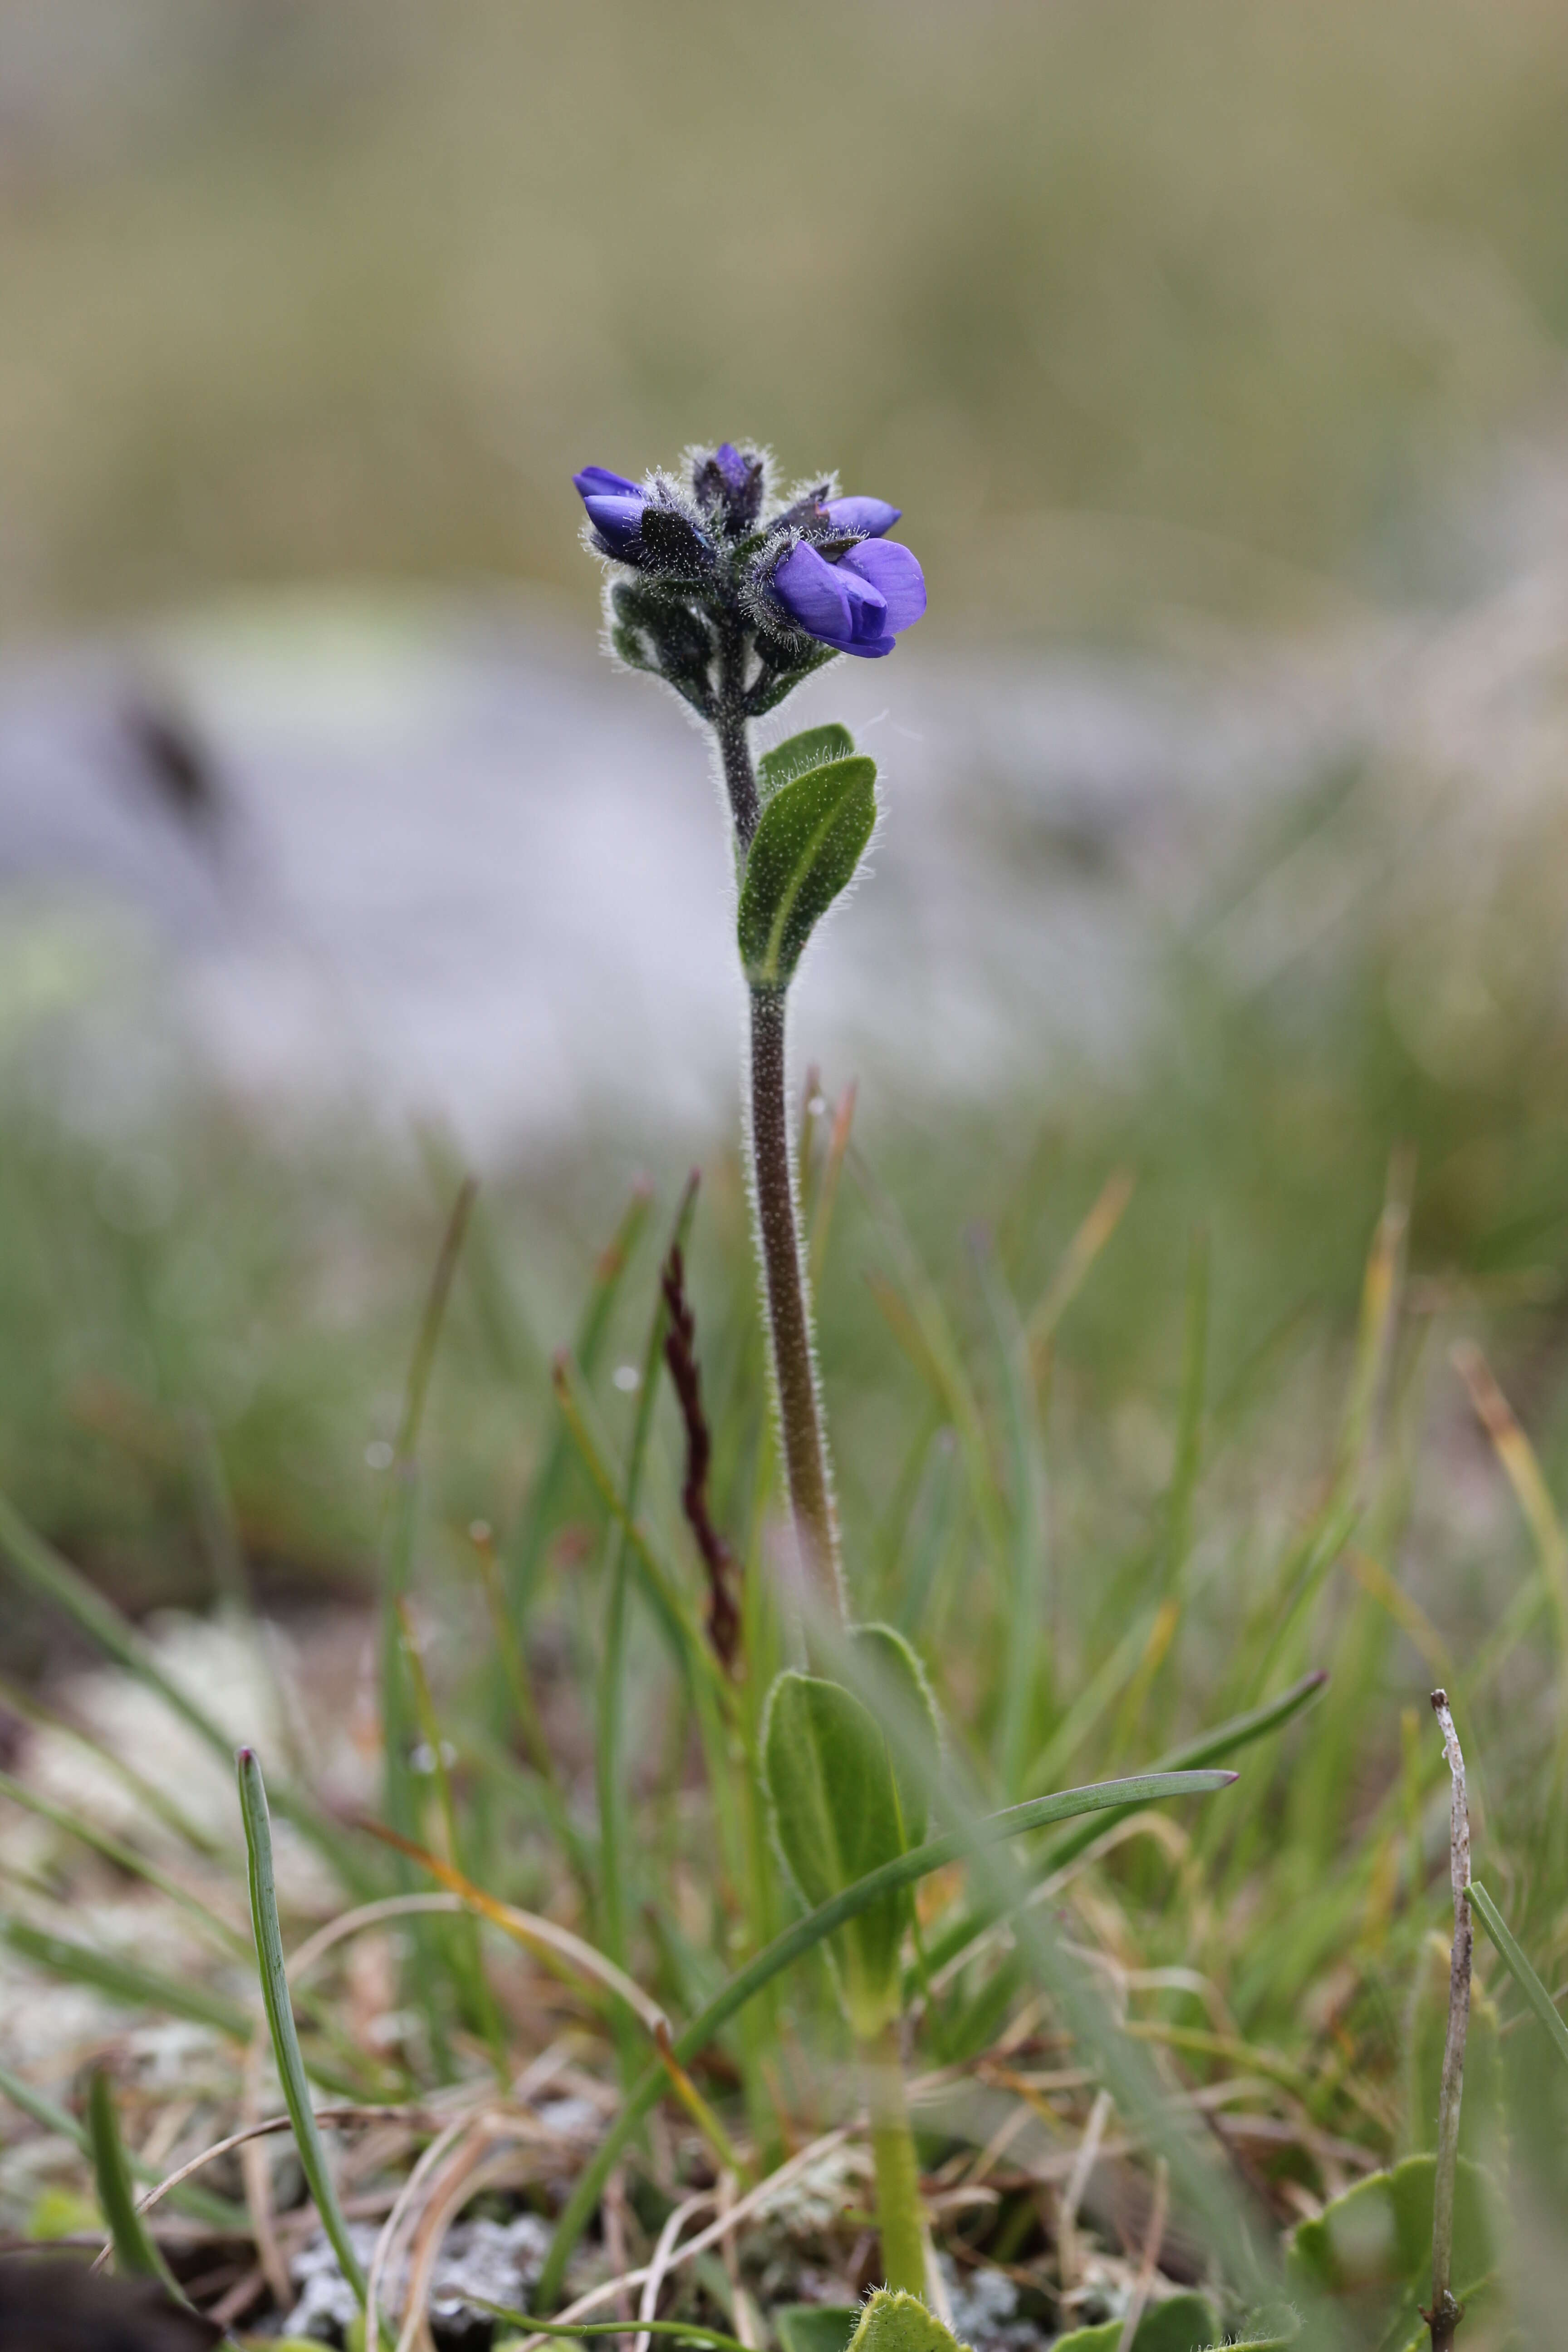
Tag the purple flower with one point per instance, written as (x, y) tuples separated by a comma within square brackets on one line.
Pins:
[(615, 507), (859, 604), (873, 516)]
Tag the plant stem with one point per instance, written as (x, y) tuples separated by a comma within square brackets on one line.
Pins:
[(1446, 2313), (898, 2175), (789, 1305), (729, 726)]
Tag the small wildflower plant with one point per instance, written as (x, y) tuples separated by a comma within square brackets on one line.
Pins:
[(733, 596)]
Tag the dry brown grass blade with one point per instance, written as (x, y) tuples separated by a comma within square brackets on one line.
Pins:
[(471, 2170), (662, 2256), (755, 2199), (1150, 2257), (401, 2204), (1083, 2164)]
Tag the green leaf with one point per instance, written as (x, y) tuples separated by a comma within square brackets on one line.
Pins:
[(893, 2321), (804, 1935), (134, 2251), (1182, 2323), (1523, 1975), (814, 2326), (1369, 2253), (805, 851), (794, 757), (841, 1807)]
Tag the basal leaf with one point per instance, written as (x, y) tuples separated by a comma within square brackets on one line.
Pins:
[(836, 1816), (804, 853), (1369, 2253), (893, 2321), (1182, 2323), (814, 2326)]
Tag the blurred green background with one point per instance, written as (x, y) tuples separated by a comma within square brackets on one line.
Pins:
[(1129, 301), (1234, 327)]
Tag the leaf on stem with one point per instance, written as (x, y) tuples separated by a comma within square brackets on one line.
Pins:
[(805, 851)]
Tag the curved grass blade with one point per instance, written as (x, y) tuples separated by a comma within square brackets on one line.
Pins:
[(804, 1934), (686, 2330), (1519, 1968), (280, 2017), (1209, 1747), (134, 2251)]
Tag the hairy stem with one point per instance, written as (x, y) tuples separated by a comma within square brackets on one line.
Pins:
[(788, 1304), (729, 726), (1446, 2313), (897, 2174)]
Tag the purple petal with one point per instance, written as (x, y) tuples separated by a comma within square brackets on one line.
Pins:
[(867, 609), (872, 515), (598, 481), (813, 596), (895, 573), (616, 520), (871, 647), (732, 465)]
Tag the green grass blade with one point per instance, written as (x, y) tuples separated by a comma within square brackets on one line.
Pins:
[(200, 2203), (1519, 1968), (134, 2251), (1026, 1647), (128, 1980), (691, 1653), (920, 1322), (804, 1934), (280, 2017), (686, 2330), (1178, 1535), (143, 1987), (467, 1960), (522, 1553), (123, 1857), (30, 1708), (1209, 1747), (609, 1773)]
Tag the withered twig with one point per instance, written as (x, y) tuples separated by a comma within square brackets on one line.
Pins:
[(1445, 2313), (680, 1355)]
